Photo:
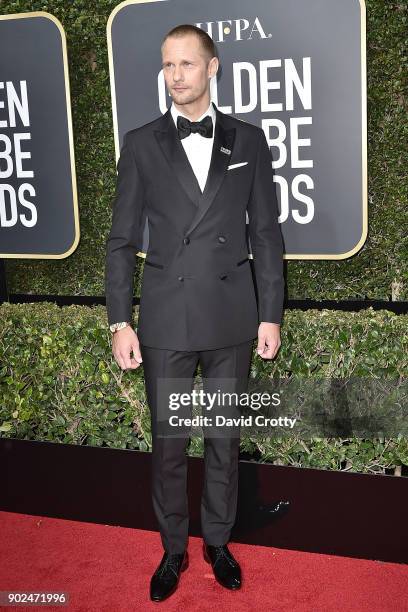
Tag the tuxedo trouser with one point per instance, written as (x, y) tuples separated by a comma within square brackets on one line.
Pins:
[(221, 445)]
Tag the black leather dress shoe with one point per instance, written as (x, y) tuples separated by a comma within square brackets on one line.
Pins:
[(166, 577), (226, 569)]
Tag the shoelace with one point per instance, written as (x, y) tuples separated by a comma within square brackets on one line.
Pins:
[(222, 552), (170, 563)]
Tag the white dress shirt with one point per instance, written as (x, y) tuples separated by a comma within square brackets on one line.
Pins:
[(198, 148)]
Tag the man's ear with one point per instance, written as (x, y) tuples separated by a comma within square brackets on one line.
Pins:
[(212, 67)]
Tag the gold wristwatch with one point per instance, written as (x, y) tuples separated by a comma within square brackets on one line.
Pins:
[(116, 326)]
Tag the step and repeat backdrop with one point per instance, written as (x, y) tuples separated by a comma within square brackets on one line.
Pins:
[(38, 195), (296, 68)]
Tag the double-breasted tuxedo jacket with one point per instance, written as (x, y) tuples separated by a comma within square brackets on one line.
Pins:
[(198, 291)]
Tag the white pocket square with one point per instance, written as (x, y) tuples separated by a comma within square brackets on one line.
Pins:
[(237, 165)]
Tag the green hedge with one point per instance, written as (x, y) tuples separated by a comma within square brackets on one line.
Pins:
[(59, 381), (378, 271)]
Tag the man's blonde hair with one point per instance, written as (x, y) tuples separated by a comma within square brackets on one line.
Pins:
[(206, 41)]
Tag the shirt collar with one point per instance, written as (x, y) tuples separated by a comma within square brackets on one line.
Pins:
[(210, 111)]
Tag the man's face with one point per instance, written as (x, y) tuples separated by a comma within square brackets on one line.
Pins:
[(186, 68)]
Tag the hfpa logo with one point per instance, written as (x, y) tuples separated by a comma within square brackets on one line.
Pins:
[(235, 29)]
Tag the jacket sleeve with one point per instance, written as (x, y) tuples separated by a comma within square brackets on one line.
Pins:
[(125, 238), (266, 238)]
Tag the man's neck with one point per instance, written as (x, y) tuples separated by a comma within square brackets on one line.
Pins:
[(194, 110)]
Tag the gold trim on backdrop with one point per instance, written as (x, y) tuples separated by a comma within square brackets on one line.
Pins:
[(296, 256), (70, 140), (112, 16)]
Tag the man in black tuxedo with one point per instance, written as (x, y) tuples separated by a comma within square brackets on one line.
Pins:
[(198, 175)]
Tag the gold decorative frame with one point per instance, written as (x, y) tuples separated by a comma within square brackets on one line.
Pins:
[(70, 139)]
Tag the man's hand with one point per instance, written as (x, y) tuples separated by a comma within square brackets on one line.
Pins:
[(125, 341), (268, 340)]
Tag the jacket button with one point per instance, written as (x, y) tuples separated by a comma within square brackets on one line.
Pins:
[(223, 276), (186, 240), (181, 278), (221, 239)]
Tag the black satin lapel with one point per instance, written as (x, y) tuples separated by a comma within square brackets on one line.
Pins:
[(178, 160), (223, 139)]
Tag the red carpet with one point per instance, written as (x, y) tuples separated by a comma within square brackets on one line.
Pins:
[(108, 569)]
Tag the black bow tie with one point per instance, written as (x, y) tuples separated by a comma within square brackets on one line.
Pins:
[(185, 127)]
